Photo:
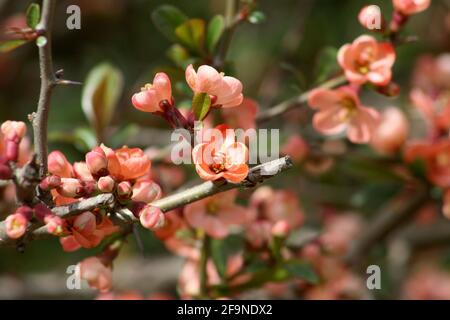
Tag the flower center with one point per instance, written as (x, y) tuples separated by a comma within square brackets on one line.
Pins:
[(348, 110), (443, 159), (212, 208)]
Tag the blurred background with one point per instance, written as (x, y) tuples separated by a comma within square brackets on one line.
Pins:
[(287, 53)]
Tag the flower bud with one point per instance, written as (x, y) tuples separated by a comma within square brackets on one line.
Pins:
[(5, 172), (16, 225), (50, 182), (124, 190), (14, 130), (392, 89), (106, 184), (12, 150), (70, 188), (82, 171), (391, 132), (146, 191), (280, 229), (58, 165), (370, 18), (152, 217), (26, 211), (97, 162)]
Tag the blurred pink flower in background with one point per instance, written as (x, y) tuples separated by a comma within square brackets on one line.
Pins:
[(392, 131)]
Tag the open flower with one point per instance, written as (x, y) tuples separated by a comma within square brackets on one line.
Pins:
[(225, 91), (152, 96), (340, 110), (96, 274), (221, 157), (243, 117), (409, 7), (216, 214), (133, 162), (16, 225), (367, 60), (436, 157), (85, 232), (391, 132)]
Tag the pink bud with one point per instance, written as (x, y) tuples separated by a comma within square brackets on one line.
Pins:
[(124, 190), (146, 191), (70, 188), (41, 211), (16, 225), (152, 217), (280, 229), (54, 224), (106, 184), (409, 7), (82, 171), (14, 130), (370, 18), (391, 132), (97, 162), (12, 150), (5, 172), (50, 182), (58, 165)]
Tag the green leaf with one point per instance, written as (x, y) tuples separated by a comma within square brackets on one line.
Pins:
[(301, 270), (256, 17), (167, 18), (179, 55), (221, 250), (192, 34), (214, 32), (327, 64), (9, 45), (101, 93), (33, 15), (201, 104)]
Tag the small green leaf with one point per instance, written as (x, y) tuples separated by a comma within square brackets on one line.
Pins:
[(101, 93), (221, 250), (41, 41), (201, 104), (33, 15), (179, 55), (167, 18), (301, 270), (214, 32), (192, 34), (256, 17), (9, 45)]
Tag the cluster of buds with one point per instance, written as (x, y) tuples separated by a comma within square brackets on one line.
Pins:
[(12, 133), (124, 172)]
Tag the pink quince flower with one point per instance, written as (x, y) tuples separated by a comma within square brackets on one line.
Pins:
[(84, 232), (133, 162), (340, 110), (367, 60), (146, 191), (16, 225), (58, 165), (153, 96), (221, 157), (96, 274), (409, 7), (216, 214), (242, 117), (295, 147), (225, 91), (391, 132), (13, 130)]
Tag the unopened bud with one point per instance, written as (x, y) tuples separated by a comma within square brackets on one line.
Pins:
[(152, 217), (50, 182), (5, 172), (41, 211), (106, 184), (97, 162), (70, 188), (124, 190)]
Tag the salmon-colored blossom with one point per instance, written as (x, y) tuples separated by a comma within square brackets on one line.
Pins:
[(153, 96), (295, 147), (221, 157), (16, 225), (96, 274), (133, 162), (366, 60), (391, 132), (13, 130), (59, 165), (85, 232), (216, 214), (225, 92), (151, 217), (242, 117), (436, 157), (146, 191), (340, 110)]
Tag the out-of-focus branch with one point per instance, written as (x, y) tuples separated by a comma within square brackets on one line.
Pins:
[(256, 175), (391, 216)]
